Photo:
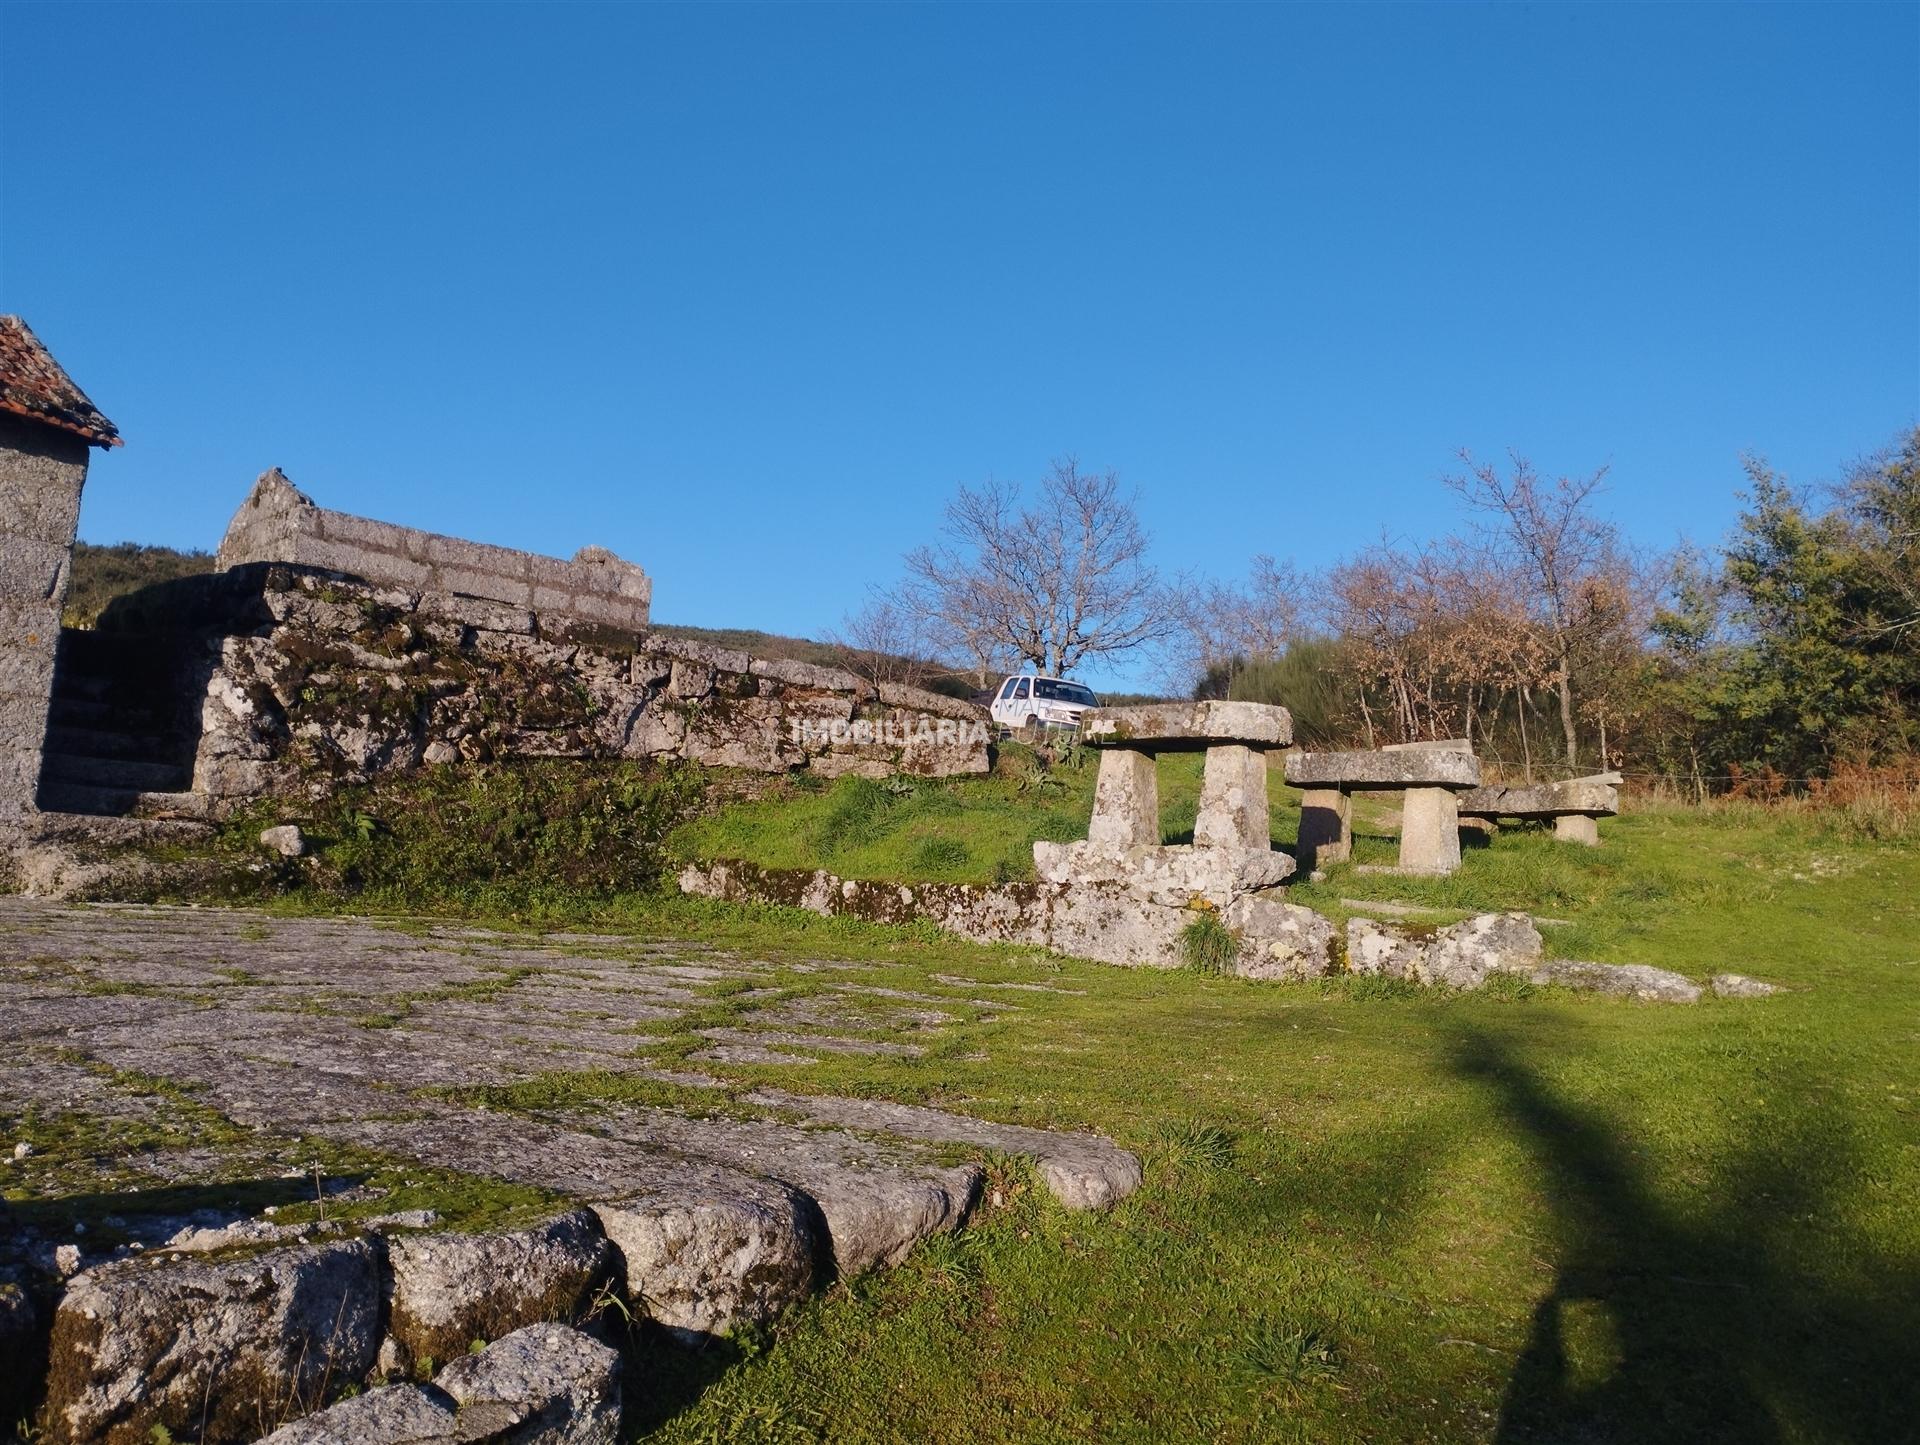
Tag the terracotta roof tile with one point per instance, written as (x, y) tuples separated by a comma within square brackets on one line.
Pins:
[(33, 385)]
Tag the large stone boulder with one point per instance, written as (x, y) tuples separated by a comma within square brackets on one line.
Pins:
[(452, 1289), (1280, 940), (700, 1261), (1374, 949), (1462, 955), (876, 1217), (394, 1415), (1173, 877), (213, 1351), (543, 1385)]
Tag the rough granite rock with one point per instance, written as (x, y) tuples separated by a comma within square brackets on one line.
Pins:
[(878, 1198), (1126, 802), (1738, 985), (1463, 954), (286, 840), (452, 1289), (1361, 771), (1627, 980), (542, 1385), (876, 1219), (1233, 812), (1375, 949), (1543, 800), (1083, 1171), (1187, 726), (700, 1263), (235, 1343), (394, 1415), (1280, 940), (1169, 876)]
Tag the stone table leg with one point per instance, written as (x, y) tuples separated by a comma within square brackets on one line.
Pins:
[(1126, 801), (1429, 831), (1326, 828), (1577, 828), (1233, 801)]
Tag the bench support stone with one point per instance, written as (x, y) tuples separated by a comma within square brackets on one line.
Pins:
[(1233, 800), (1577, 828), (1126, 801), (1326, 828), (1429, 831)]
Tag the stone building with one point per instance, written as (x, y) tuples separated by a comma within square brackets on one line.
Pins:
[(47, 426)]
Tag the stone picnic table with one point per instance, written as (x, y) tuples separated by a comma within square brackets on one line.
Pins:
[(1235, 736), (1429, 774), (1573, 804)]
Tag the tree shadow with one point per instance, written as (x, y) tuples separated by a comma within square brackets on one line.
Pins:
[(1663, 1326)]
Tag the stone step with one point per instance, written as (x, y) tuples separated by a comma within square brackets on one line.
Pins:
[(69, 682), (139, 775), (111, 828), (57, 796), (83, 712), (103, 742)]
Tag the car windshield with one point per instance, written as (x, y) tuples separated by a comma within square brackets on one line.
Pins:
[(1064, 692)]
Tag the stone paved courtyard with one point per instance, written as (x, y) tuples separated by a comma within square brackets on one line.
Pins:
[(566, 1064)]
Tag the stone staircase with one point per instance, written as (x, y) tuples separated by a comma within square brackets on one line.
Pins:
[(113, 747)]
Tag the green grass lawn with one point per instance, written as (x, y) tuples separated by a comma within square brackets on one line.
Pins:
[(1374, 1212)]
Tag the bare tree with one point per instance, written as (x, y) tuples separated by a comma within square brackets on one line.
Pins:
[(1546, 530), (1219, 625), (1051, 584), (883, 642)]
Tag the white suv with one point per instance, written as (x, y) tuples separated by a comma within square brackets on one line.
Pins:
[(1033, 703)]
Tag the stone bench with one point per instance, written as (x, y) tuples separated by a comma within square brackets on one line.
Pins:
[(1573, 805), (1429, 774)]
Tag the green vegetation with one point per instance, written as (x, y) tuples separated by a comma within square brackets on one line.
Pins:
[(1208, 945), (1376, 1212), (542, 840), (108, 1174), (101, 574), (972, 830), (1372, 1211)]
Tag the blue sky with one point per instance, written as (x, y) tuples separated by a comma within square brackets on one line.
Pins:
[(743, 293)]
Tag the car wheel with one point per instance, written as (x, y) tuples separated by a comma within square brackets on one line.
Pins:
[(1032, 725)]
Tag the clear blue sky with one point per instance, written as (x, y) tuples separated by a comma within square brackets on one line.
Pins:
[(743, 293)]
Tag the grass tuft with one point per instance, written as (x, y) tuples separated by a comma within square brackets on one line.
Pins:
[(1208, 945), (1289, 1353)]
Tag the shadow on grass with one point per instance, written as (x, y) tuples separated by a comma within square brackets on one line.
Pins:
[(1663, 1327)]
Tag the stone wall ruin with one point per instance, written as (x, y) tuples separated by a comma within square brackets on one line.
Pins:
[(278, 523), (337, 680)]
